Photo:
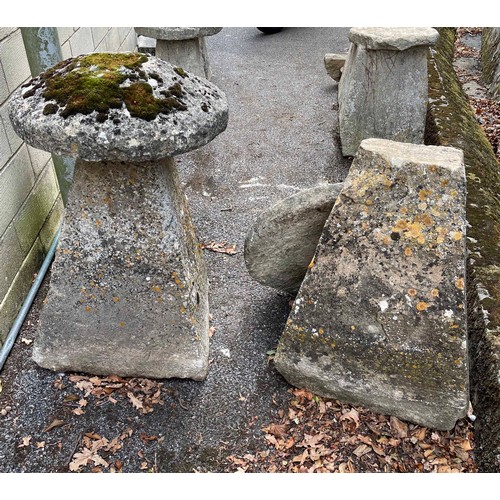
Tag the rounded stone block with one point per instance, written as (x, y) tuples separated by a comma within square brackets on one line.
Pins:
[(129, 107), (281, 244)]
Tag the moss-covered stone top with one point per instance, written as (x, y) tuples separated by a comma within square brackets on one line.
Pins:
[(126, 106)]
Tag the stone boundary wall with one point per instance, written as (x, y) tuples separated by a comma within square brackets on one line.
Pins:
[(490, 58), (31, 205), (451, 122)]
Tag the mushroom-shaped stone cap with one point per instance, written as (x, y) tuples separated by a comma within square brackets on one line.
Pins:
[(118, 107), (393, 38), (176, 33)]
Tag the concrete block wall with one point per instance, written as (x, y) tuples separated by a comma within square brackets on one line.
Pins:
[(31, 206)]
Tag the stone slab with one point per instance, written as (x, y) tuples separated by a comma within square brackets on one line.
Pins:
[(380, 318), (128, 291), (393, 38), (164, 33), (281, 243)]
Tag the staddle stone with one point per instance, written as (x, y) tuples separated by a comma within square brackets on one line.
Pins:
[(383, 88), (184, 47), (135, 107), (128, 292), (283, 239), (380, 318)]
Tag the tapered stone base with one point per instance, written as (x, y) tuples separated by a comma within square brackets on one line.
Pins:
[(191, 55), (128, 292), (380, 318)]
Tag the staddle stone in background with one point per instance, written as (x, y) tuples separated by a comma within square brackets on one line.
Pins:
[(184, 47), (383, 89), (380, 317), (283, 239), (128, 292)]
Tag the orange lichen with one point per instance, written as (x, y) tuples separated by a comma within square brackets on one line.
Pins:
[(422, 306), (460, 283)]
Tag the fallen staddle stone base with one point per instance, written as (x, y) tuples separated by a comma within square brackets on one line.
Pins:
[(380, 318), (128, 291)]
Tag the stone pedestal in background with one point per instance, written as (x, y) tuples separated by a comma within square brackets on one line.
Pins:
[(183, 47), (380, 317), (383, 89)]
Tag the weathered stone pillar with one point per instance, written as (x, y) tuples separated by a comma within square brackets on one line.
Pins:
[(128, 292), (183, 47), (380, 317), (383, 89), (490, 58)]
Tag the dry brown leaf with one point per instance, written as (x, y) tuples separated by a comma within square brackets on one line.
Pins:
[(211, 331), (351, 415), (276, 430), (78, 411), (465, 445), (40, 444), (312, 441), (25, 441), (26, 341), (399, 429), (137, 403), (80, 459), (143, 466), (362, 449), (83, 402), (221, 247), (55, 423)]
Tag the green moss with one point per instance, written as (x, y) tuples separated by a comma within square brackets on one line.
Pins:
[(181, 72), (95, 82), (452, 122)]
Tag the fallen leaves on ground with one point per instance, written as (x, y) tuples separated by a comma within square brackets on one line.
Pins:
[(220, 247), (487, 110), (323, 435), (142, 393), (96, 451)]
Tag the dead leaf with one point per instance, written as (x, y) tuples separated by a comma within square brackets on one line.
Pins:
[(137, 403), (352, 415), (25, 441), (276, 430), (400, 429), (465, 445), (211, 331), (221, 247), (40, 444), (80, 459), (143, 466), (362, 449), (78, 411), (26, 341)]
